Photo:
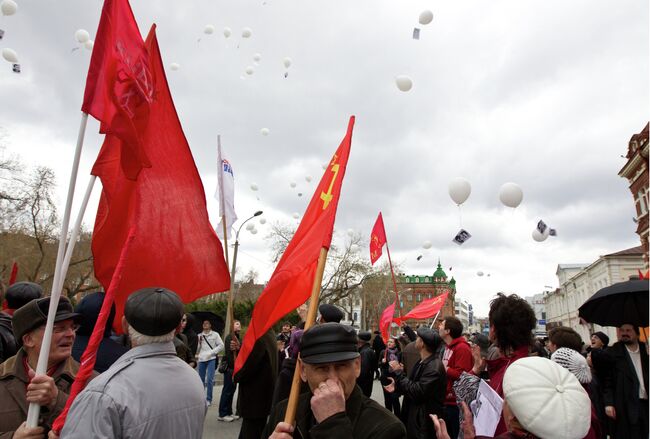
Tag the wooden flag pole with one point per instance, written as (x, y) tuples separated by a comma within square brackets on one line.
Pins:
[(390, 262), (292, 405), (41, 368)]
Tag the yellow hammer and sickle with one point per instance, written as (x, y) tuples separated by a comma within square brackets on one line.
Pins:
[(327, 197)]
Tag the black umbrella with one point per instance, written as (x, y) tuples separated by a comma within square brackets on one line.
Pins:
[(618, 304), (200, 316)]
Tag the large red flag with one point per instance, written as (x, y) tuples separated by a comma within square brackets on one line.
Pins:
[(385, 320), (426, 309), (174, 245), (291, 282), (377, 239), (119, 87)]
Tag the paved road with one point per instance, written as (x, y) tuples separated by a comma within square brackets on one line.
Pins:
[(214, 429)]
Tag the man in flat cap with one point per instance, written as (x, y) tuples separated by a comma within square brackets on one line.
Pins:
[(330, 313), (424, 388), (19, 385), (335, 406), (149, 392), (368, 363)]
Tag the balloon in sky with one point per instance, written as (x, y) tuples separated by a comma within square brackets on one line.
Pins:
[(459, 190), (354, 248), (511, 194), (249, 70), (286, 62), (246, 32), (539, 237), (250, 226), (479, 273), (89, 44), (262, 220), (308, 179), (174, 66), (426, 245), (265, 131), (227, 32), (350, 232), (403, 82), (426, 17), (292, 184), (8, 7), (81, 36), (209, 29), (254, 187), (10, 55), (254, 231), (296, 215), (257, 57)]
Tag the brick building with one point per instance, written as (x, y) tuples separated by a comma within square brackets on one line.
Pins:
[(636, 172)]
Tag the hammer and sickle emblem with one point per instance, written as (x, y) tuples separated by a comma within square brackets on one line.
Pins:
[(327, 197)]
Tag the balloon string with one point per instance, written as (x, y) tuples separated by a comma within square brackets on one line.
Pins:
[(460, 217)]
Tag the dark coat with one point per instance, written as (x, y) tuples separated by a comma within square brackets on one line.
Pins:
[(363, 418), (257, 377), (621, 388), (285, 378), (424, 394), (8, 345), (107, 353), (228, 353), (368, 366), (183, 350)]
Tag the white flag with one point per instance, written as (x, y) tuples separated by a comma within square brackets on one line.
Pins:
[(225, 194)]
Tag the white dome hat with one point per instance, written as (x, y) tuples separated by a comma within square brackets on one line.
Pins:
[(547, 399)]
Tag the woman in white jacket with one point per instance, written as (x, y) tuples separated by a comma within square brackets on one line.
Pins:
[(210, 345)]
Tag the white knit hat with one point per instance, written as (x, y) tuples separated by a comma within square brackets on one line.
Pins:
[(574, 362), (547, 399)]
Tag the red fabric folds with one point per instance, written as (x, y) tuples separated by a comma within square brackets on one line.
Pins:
[(425, 310), (385, 320)]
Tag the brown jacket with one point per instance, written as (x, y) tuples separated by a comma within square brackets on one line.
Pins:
[(13, 385)]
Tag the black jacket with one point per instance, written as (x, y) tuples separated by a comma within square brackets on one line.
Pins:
[(621, 388), (228, 355), (424, 394), (8, 345), (363, 418), (285, 378), (368, 366)]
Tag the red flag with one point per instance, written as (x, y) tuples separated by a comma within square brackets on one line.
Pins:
[(385, 321), (377, 239), (426, 309), (119, 86), (291, 282), (14, 273), (643, 276), (174, 246)]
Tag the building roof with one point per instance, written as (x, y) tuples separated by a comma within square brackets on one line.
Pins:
[(629, 252), (569, 266), (439, 272)]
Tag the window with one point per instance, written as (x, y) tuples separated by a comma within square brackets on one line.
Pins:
[(355, 317), (417, 280), (642, 203), (419, 297)]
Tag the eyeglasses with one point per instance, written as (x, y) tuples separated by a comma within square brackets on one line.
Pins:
[(60, 329)]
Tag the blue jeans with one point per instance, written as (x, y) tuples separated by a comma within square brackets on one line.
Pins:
[(227, 394), (207, 367)]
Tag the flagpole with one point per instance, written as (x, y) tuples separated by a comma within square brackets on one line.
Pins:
[(434, 320), (292, 404), (229, 313), (41, 368), (390, 262)]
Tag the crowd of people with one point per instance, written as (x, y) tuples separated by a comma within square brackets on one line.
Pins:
[(157, 379)]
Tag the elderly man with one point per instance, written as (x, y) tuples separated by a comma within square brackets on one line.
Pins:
[(149, 392), (335, 407), (19, 385)]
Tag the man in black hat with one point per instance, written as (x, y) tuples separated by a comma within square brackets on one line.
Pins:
[(17, 295), (330, 313), (424, 388), (149, 392), (368, 363), (335, 406), (19, 385)]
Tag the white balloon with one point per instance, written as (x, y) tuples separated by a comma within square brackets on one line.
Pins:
[(250, 226), (246, 32), (511, 194), (10, 55), (209, 29), (296, 215), (286, 62), (403, 82), (174, 66), (254, 231), (265, 131), (350, 232), (249, 70), (426, 17), (426, 245), (308, 179), (89, 44), (227, 32), (292, 184), (354, 248), (479, 273), (262, 220), (9, 7), (254, 186), (257, 57), (539, 237), (459, 190), (81, 36)]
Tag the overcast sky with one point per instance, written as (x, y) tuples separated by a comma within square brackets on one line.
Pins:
[(544, 94)]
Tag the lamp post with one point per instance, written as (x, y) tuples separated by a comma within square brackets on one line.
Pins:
[(229, 313)]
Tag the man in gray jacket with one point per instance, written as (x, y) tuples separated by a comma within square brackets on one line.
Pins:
[(149, 392)]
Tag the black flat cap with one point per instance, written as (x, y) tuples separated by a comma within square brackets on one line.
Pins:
[(34, 314), (602, 336), (330, 313), (430, 338), (21, 293), (154, 311), (328, 343), (365, 335)]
